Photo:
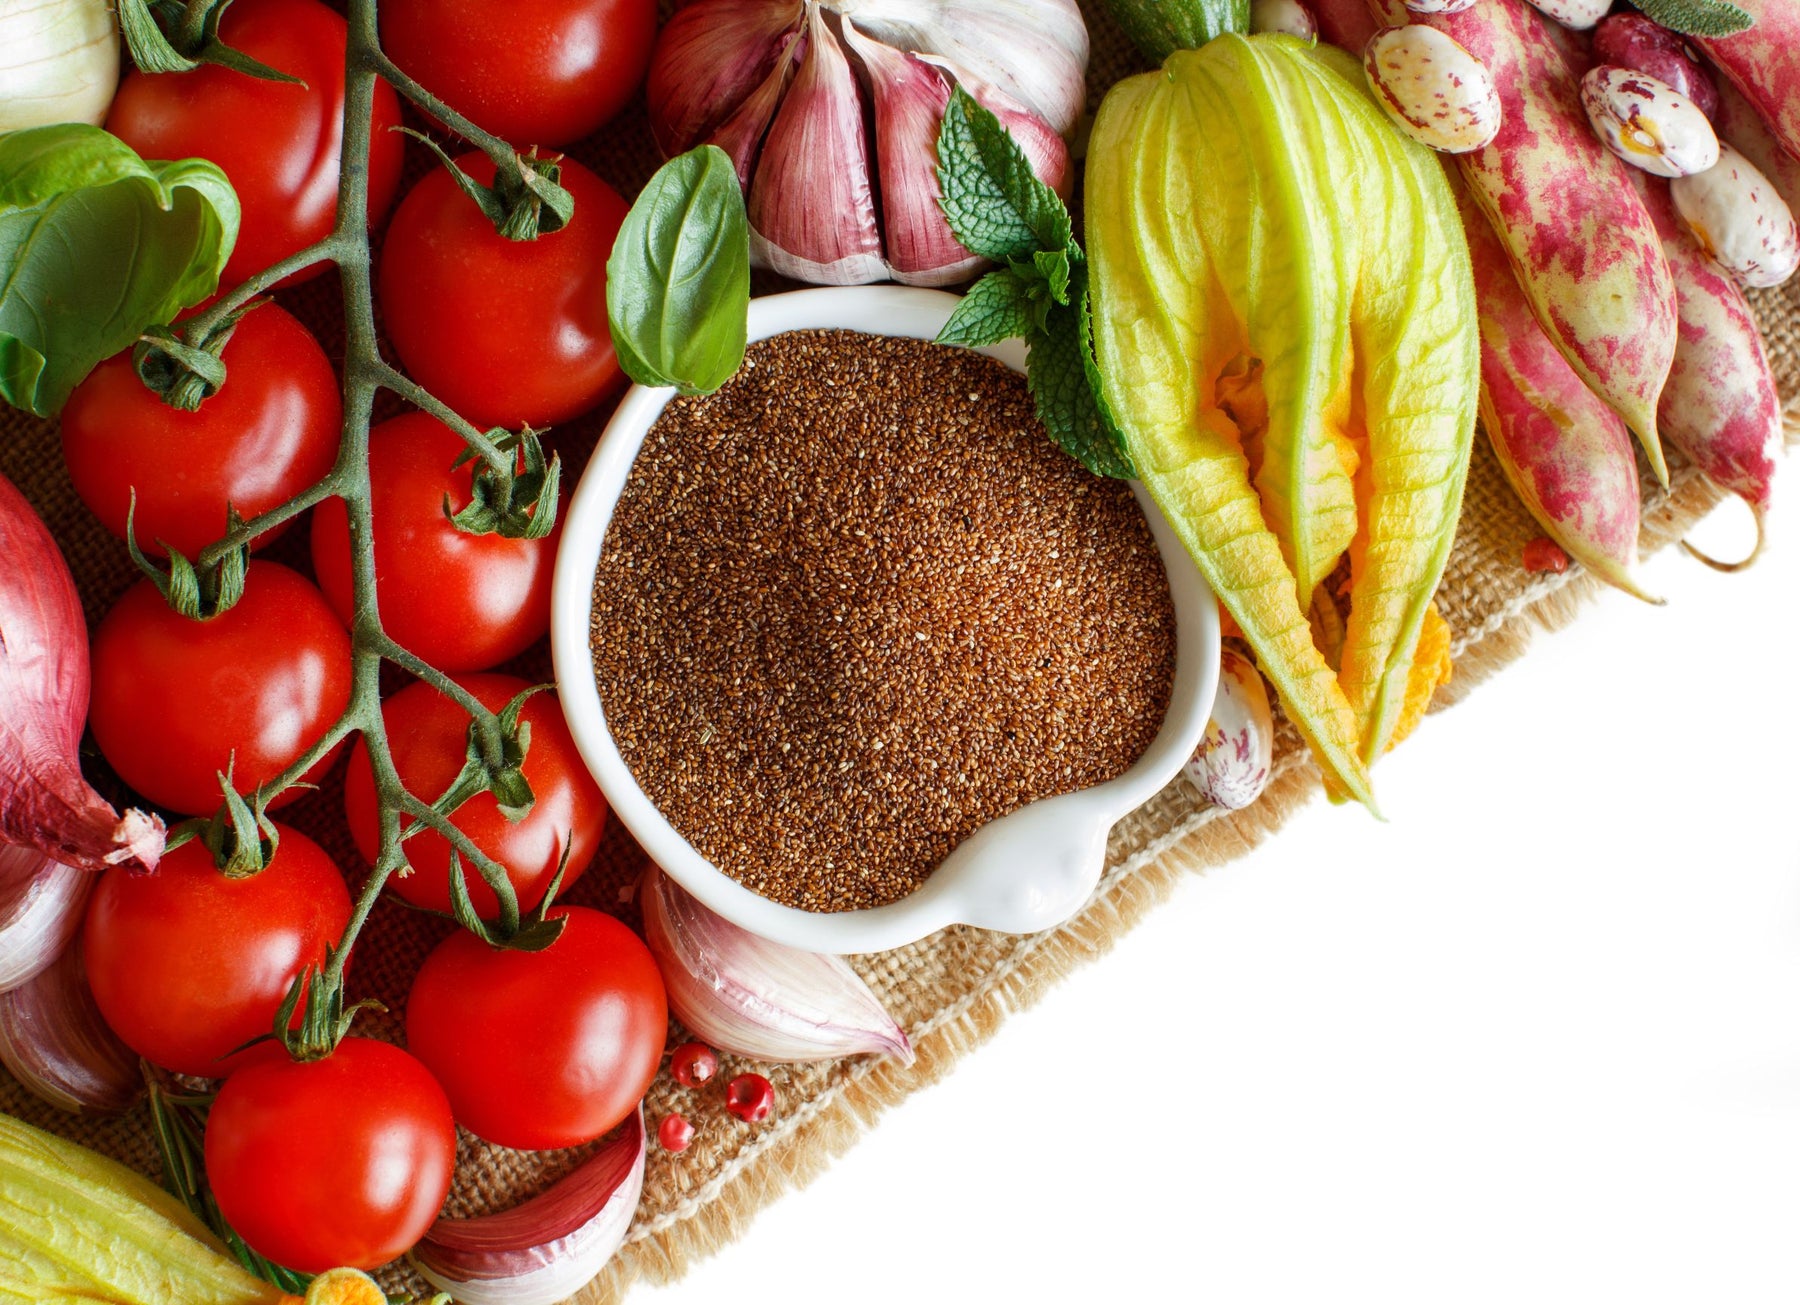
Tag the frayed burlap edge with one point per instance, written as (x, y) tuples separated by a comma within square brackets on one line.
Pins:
[(789, 1156)]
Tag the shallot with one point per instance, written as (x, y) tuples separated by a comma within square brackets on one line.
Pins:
[(44, 801)]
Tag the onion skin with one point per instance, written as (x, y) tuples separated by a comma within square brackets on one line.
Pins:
[(54, 1041), (41, 905), (44, 801), (755, 998)]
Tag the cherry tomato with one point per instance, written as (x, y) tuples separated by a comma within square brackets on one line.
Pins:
[(536, 72), (176, 701), (278, 142), (340, 1161), (541, 1049), (187, 965), (461, 602), (267, 434), (504, 331), (428, 735)]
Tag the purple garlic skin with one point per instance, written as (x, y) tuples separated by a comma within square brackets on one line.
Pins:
[(1633, 41), (1648, 123), (1289, 16), (1740, 220), (1434, 90), (1232, 765)]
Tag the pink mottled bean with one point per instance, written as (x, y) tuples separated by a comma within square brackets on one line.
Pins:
[(1347, 24), (1721, 408), (1633, 41), (1566, 454), (1764, 63), (1741, 127), (1586, 253)]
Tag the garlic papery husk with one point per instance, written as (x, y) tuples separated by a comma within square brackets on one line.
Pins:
[(545, 1249), (741, 135), (40, 910), (755, 998), (811, 205), (710, 59), (54, 1041), (1034, 50), (59, 62), (1231, 767)]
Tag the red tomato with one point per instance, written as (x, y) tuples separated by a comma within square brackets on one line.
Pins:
[(340, 1161), (461, 602), (176, 701), (279, 143), (537, 72), (188, 965), (541, 1049), (504, 331), (268, 433), (429, 738), (428, 735)]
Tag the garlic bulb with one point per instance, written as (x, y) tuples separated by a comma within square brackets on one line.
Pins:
[(756, 998), (59, 62), (551, 1246), (830, 110), (40, 910), (55, 1042)]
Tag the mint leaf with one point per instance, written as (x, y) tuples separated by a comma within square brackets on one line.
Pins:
[(1053, 266), (1065, 385), (1697, 17), (994, 202), (997, 307), (95, 246), (678, 281)]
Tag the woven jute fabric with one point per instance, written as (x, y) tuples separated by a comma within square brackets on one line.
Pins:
[(951, 990)]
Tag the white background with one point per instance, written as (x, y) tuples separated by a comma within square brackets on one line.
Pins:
[(1535, 1039)]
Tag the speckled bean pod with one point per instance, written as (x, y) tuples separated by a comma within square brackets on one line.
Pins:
[(1740, 126), (1764, 63), (1586, 253), (1434, 90), (1565, 453), (1231, 767)]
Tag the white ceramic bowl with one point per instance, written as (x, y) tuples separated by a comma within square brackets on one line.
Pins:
[(1029, 870)]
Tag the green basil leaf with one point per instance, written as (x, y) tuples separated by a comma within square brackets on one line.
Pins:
[(1161, 27), (994, 202), (95, 246), (678, 281)]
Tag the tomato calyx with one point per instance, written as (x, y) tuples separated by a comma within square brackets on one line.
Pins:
[(184, 371), (532, 933), (527, 199), (325, 1021), (196, 592), (242, 839), (168, 36), (516, 499)]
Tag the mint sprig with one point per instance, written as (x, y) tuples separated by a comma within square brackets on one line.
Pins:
[(998, 208), (1697, 17)]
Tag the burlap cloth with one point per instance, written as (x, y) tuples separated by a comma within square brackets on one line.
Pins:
[(950, 991)]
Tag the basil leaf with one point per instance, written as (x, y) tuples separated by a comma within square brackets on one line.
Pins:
[(678, 281), (1161, 27), (994, 202), (95, 246)]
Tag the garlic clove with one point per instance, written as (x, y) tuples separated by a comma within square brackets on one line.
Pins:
[(1231, 767), (757, 998), (812, 207), (1039, 142), (54, 1041), (741, 135), (40, 911), (710, 57), (545, 1249), (1035, 51), (910, 96)]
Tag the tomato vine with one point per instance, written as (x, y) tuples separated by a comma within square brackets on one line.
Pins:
[(524, 200)]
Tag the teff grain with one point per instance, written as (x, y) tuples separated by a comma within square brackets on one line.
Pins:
[(856, 604)]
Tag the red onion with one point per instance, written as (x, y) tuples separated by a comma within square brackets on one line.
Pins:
[(44, 801)]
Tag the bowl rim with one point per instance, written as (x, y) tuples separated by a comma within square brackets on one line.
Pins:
[(953, 893)]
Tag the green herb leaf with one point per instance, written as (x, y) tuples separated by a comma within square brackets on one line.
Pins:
[(1697, 17), (994, 202), (1064, 384), (678, 281), (1161, 27), (997, 307), (95, 246)]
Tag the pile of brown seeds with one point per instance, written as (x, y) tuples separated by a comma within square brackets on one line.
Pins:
[(856, 604)]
